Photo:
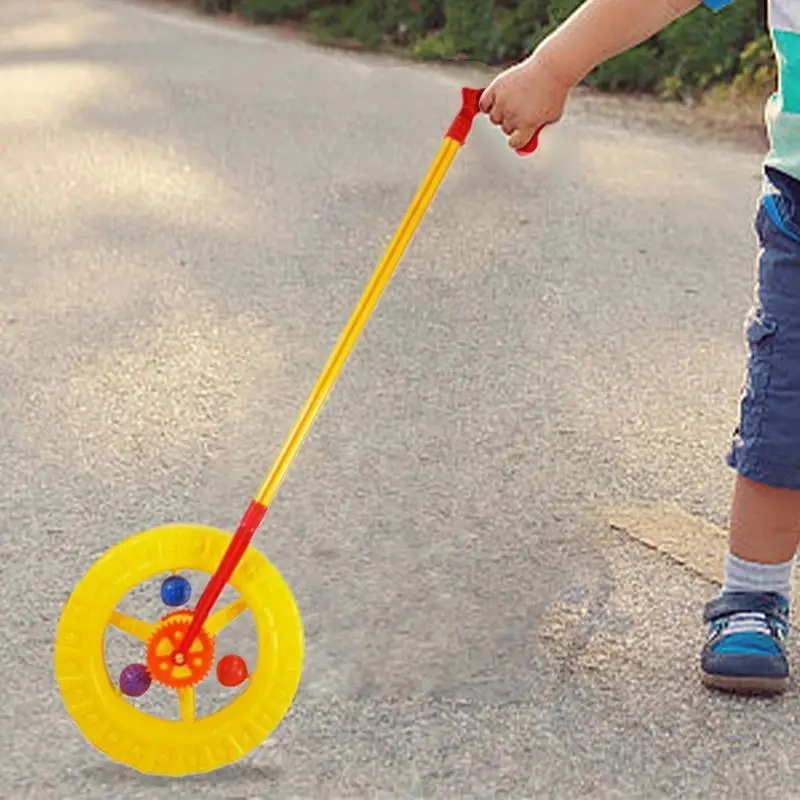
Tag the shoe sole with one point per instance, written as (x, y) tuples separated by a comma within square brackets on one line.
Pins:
[(745, 685)]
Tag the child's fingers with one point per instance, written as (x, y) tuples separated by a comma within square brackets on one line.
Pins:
[(487, 99), (520, 137), (508, 125), (496, 114)]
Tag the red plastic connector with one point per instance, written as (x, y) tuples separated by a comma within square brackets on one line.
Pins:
[(470, 108), (233, 555)]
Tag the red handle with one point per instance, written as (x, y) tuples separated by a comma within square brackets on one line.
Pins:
[(470, 108), (532, 144)]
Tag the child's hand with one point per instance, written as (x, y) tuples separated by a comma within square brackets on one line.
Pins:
[(532, 94), (525, 98)]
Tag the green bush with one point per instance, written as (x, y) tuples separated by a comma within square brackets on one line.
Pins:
[(469, 25), (215, 6), (435, 46), (265, 11), (363, 21), (727, 51), (376, 22), (757, 73), (705, 48), (638, 70)]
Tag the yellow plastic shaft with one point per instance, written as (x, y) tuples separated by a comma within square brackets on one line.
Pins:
[(369, 299)]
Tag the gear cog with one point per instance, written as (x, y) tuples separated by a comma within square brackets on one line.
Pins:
[(168, 667)]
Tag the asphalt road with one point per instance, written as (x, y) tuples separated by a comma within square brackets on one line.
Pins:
[(188, 213)]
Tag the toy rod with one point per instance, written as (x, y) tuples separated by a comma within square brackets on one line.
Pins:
[(454, 139)]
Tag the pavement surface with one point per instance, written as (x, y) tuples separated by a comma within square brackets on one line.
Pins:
[(483, 531)]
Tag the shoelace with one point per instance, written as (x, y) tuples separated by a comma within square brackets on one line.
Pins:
[(748, 622), (755, 622)]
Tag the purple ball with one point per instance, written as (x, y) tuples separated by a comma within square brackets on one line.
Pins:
[(135, 680)]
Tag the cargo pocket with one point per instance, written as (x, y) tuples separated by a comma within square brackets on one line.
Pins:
[(760, 331), (783, 203)]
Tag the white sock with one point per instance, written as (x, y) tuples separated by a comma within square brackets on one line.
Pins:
[(749, 576)]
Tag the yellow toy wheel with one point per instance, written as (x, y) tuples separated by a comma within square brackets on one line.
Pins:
[(188, 745)]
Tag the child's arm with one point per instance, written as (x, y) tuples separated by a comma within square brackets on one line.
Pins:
[(532, 94)]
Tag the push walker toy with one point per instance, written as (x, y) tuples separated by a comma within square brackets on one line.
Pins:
[(178, 651)]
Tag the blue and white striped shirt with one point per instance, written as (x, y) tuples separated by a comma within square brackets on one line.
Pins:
[(782, 113)]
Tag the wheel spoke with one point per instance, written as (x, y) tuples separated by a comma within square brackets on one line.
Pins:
[(217, 621), (137, 628), (186, 703)]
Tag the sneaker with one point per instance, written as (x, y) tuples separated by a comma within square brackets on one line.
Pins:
[(745, 650)]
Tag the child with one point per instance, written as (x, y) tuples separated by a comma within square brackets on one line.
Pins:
[(748, 623)]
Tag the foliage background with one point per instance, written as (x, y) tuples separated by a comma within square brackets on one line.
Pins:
[(728, 52)]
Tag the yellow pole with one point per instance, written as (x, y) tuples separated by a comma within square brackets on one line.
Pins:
[(453, 141), (358, 320)]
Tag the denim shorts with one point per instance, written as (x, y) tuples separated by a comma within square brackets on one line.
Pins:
[(765, 446)]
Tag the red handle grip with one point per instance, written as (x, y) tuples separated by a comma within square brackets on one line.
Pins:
[(470, 108), (532, 144)]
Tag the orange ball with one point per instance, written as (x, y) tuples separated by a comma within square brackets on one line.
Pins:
[(232, 670)]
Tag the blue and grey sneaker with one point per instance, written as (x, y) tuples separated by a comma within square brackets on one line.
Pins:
[(745, 650)]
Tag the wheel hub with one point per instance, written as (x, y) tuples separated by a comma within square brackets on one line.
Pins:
[(171, 668)]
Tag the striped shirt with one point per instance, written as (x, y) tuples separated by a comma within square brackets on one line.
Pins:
[(782, 114)]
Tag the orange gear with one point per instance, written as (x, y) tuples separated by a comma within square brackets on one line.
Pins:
[(161, 653)]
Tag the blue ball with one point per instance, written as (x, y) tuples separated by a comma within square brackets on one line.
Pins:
[(175, 591)]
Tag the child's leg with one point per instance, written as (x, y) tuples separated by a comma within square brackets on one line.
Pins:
[(749, 622), (765, 522)]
